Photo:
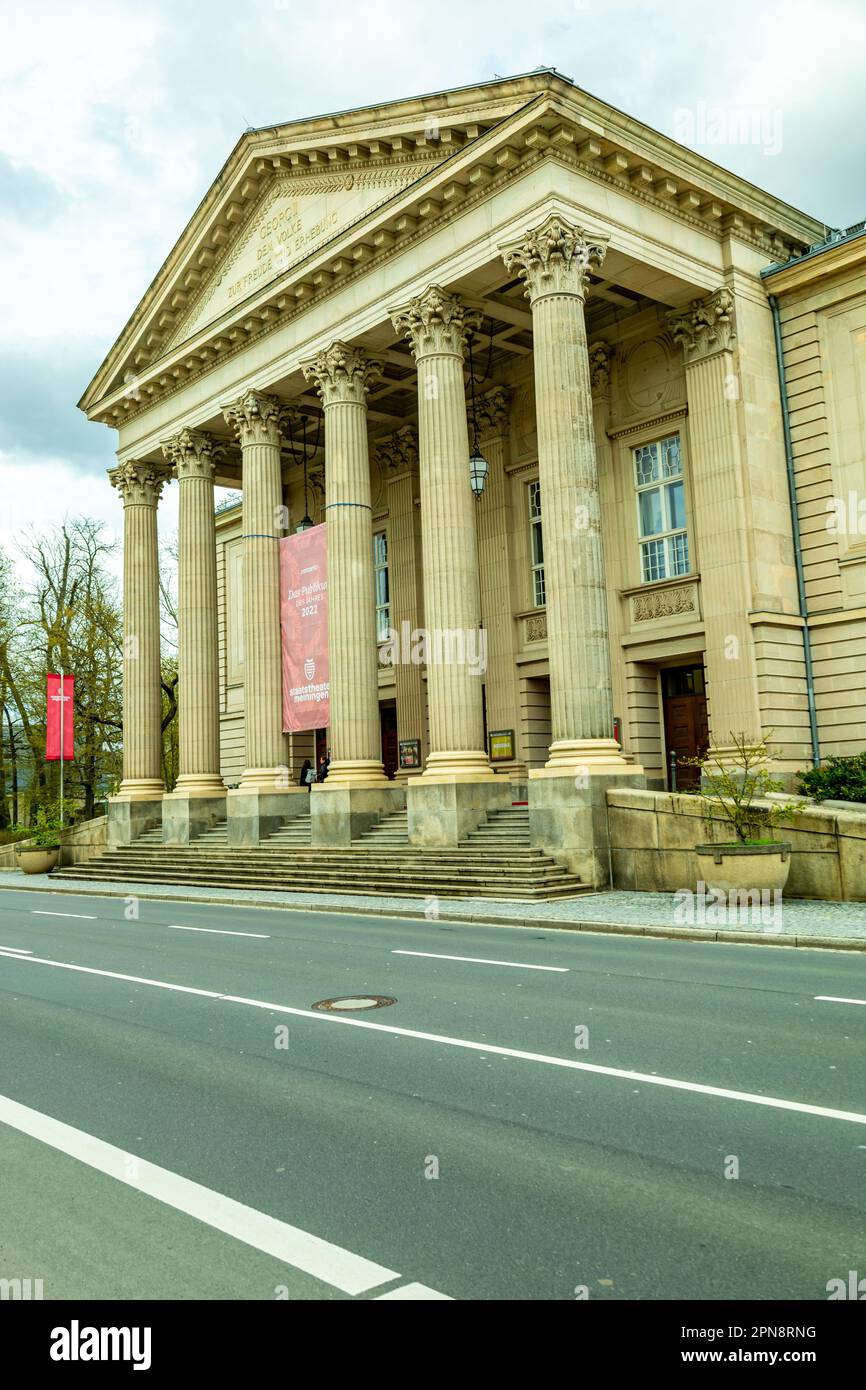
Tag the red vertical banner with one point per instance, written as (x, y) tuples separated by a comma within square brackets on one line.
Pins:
[(304, 630), (59, 698)]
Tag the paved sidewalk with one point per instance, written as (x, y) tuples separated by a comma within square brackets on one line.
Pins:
[(799, 922)]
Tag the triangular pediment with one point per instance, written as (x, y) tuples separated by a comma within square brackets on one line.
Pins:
[(297, 207), (298, 214)]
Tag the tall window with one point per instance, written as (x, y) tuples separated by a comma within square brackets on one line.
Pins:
[(661, 504), (383, 596), (536, 544)]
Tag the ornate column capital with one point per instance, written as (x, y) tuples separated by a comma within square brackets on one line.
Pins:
[(255, 418), (706, 327), (436, 322), (193, 453), (600, 359), (398, 453), (139, 483), (342, 374), (555, 258), (493, 411)]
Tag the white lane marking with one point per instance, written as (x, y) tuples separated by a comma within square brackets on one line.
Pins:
[(479, 960), (491, 1049), (837, 999), (214, 931), (82, 916), (16, 950), (413, 1293), (331, 1263)]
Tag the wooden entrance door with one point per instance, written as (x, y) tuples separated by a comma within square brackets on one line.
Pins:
[(684, 701)]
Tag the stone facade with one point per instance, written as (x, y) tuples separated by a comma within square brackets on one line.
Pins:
[(364, 300)]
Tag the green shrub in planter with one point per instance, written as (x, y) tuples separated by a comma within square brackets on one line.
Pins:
[(839, 779), (731, 789)]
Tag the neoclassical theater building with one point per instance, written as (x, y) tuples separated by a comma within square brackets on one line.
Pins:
[(526, 360)]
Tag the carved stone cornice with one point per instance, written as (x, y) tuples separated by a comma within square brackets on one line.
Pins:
[(342, 374), (255, 418), (706, 327), (398, 453), (493, 411), (436, 322), (555, 258), (139, 484), (600, 359), (193, 453)]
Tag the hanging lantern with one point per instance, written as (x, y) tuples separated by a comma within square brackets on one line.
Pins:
[(478, 470)]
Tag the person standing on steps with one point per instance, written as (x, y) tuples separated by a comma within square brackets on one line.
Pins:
[(307, 776)]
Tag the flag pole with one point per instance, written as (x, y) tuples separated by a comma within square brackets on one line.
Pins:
[(62, 742)]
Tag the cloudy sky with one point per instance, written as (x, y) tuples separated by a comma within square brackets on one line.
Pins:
[(115, 116)]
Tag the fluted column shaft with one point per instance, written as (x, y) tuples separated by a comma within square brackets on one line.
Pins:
[(140, 485), (495, 527), (398, 457), (192, 454), (437, 325), (256, 421), (343, 375), (554, 260)]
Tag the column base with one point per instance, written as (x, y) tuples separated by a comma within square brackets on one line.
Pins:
[(588, 756), (443, 812), (140, 789), (340, 814), (357, 772), (473, 766), (186, 814), (129, 817), (568, 816), (253, 815)]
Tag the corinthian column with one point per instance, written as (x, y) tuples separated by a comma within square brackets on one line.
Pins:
[(437, 325), (555, 261), (140, 486), (255, 419), (343, 375)]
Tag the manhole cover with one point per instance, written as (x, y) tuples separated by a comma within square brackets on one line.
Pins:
[(348, 1003)]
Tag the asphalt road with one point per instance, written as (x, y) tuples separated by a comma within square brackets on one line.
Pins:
[(177, 1122)]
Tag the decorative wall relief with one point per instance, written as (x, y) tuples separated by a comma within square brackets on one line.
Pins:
[(680, 600)]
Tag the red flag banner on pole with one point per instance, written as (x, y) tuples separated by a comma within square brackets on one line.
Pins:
[(304, 630), (59, 715)]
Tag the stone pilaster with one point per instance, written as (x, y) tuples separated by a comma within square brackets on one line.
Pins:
[(140, 485), (437, 325), (198, 799), (706, 331), (255, 419), (555, 261), (398, 459), (495, 527), (342, 375)]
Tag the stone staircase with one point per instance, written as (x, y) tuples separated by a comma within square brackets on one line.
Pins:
[(495, 861)]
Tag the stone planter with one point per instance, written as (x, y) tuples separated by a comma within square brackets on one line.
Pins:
[(744, 868), (39, 859)]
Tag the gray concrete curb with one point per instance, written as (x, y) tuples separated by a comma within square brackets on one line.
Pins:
[(724, 936)]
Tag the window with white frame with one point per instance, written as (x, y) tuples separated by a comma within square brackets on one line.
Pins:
[(661, 509), (536, 539), (383, 595)]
